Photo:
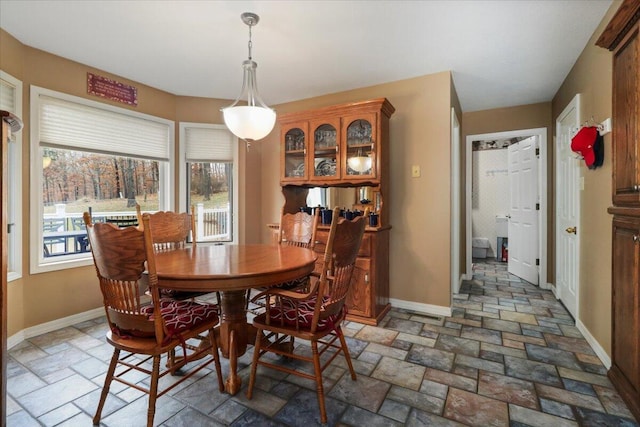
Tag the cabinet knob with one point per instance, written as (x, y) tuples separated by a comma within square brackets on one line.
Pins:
[(636, 187), (636, 238), (571, 230)]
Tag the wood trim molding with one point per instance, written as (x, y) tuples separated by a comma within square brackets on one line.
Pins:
[(626, 16), (10, 123)]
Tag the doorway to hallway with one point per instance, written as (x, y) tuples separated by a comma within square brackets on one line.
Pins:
[(526, 216)]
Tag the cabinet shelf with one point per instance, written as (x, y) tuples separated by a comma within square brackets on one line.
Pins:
[(367, 146)]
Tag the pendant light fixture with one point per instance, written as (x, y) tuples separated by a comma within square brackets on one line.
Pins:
[(255, 120)]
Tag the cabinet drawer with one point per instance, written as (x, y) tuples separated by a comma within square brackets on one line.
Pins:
[(321, 244)]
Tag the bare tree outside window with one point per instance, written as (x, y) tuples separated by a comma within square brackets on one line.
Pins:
[(108, 186)]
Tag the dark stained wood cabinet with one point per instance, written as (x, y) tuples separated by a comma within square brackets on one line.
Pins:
[(626, 168), (625, 364), (316, 148), (622, 37)]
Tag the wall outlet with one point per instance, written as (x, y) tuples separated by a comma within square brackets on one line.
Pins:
[(415, 171)]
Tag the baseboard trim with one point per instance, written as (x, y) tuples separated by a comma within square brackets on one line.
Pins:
[(595, 345), (54, 325), (436, 310)]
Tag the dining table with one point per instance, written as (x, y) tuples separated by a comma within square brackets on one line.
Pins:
[(231, 270)]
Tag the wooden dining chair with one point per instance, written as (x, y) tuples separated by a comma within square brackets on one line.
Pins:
[(170, 231), (315, 315), (296, 229), (124, 259)]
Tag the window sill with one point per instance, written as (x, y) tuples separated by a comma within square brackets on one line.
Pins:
[(44, 267)]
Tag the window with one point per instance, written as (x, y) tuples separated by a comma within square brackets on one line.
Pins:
[(208, 173), (11, 100), (89, 156)]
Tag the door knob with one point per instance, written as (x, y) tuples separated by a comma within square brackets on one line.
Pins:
[(571, 230)]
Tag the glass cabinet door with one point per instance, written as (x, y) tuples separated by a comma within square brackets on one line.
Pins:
[(294, 147), (326, 150), (360, 140)]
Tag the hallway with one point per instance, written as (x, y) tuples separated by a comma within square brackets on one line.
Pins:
[(509, 356)]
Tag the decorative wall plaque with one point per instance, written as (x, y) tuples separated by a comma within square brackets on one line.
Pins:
[(111, 89)]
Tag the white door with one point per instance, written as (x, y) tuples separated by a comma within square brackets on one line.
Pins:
[(523, 212), (567, 207)]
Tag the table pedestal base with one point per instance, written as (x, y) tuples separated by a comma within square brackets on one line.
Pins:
[(235, 333)]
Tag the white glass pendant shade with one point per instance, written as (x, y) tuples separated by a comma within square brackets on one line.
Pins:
[(255, 120), (249, 123), (359, 163)]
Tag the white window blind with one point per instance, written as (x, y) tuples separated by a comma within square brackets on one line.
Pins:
[(7, 96), (203, 144), (68, 124)]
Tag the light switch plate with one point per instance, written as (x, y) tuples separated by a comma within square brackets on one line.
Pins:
[(415, 171)]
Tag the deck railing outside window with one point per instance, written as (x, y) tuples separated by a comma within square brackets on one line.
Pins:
[(65, 233)]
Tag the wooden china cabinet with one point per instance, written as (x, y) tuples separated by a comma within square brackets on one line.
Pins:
[(622, 37), (345, 147)]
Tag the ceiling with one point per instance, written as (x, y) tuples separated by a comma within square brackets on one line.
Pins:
[(502, 53)]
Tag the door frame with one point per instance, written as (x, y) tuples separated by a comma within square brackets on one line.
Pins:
[(456, 220), (541, 133)]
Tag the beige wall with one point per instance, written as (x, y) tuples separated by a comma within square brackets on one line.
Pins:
[(591, 77), (420, 212), (39, 298), (508, 119)]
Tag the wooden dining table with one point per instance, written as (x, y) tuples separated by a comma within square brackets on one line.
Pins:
[(231, 270)]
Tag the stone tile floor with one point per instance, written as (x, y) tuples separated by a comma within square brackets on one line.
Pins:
[(510, 355)]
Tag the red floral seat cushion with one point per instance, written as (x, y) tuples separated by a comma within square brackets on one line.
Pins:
[(293, 283), (284, 312), (180, 316)]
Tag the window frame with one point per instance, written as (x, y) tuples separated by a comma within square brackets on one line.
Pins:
[(38, 263), (14, 188), (183, 180)]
